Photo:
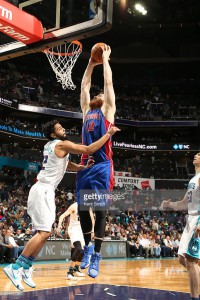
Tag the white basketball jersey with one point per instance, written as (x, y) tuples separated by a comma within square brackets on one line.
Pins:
[(74, 218), (53, 167), (193, 195)]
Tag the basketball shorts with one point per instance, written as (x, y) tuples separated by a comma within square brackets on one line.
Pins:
[(98, 177), (76, 235), (41, 206), (188, 243)]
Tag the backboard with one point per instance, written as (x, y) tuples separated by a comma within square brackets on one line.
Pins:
[(62, 21)]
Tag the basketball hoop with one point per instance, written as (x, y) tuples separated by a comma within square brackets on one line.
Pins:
[(62, 59)]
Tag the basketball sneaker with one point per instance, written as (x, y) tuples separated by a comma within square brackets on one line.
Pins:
[(15, 276), (88, 250), (77, 272), (70, 276), (27, 277), (93, 270)]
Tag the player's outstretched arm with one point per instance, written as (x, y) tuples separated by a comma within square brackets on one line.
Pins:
[(69, 147), (178, 205)]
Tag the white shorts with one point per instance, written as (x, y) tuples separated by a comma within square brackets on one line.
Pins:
[(76, 235), (187, 235), (41, 206)]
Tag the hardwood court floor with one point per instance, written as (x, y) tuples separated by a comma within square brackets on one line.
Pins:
[(162, 274)]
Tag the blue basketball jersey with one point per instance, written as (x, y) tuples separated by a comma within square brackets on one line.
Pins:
[(94, 127)]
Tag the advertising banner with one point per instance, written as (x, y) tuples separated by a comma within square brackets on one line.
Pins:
[(22, 164), (61, 249), (155, 146), (134, 183), (24, 133), (11, 102)]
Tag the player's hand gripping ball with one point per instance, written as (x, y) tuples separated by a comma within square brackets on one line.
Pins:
[(97, 52)]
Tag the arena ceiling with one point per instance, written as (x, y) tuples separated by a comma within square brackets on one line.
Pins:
[(170, 31)]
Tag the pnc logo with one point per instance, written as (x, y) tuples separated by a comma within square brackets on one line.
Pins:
[(6, 13)]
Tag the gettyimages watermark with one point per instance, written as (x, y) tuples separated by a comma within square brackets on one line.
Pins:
[(128, 199), (98, 200)]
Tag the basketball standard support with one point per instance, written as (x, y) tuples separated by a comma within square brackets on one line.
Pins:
[(19, 25)]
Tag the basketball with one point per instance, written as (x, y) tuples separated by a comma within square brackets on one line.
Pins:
[(96, 52)]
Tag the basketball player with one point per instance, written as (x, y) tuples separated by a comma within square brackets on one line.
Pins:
[(98, 116), (76, 238), (41, 199), (189, 247)]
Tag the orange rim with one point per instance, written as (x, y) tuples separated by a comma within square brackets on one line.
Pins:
[(48, 51)]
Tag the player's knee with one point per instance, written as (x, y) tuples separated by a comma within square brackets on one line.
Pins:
[(76, 254), (190, 262), (72, 252), (77, 251), (181, 260), (44, 235), (80, 257)]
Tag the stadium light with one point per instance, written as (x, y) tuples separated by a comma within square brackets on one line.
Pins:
[(140, 9)]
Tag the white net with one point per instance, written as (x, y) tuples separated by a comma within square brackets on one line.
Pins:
[(62, 59)]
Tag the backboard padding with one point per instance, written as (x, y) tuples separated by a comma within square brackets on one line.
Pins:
[(63, 21)]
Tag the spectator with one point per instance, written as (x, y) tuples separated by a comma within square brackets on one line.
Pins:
[(6, 248), (169, 248), (156, 247), (69, 197), (16, 248)]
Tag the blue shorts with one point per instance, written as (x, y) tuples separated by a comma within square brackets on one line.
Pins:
[(98, 177)]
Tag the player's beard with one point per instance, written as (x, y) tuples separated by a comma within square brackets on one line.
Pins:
[(95, 103), (63, 137)]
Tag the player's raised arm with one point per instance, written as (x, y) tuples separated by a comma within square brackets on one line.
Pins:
[(85, 86), (109, 93)]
